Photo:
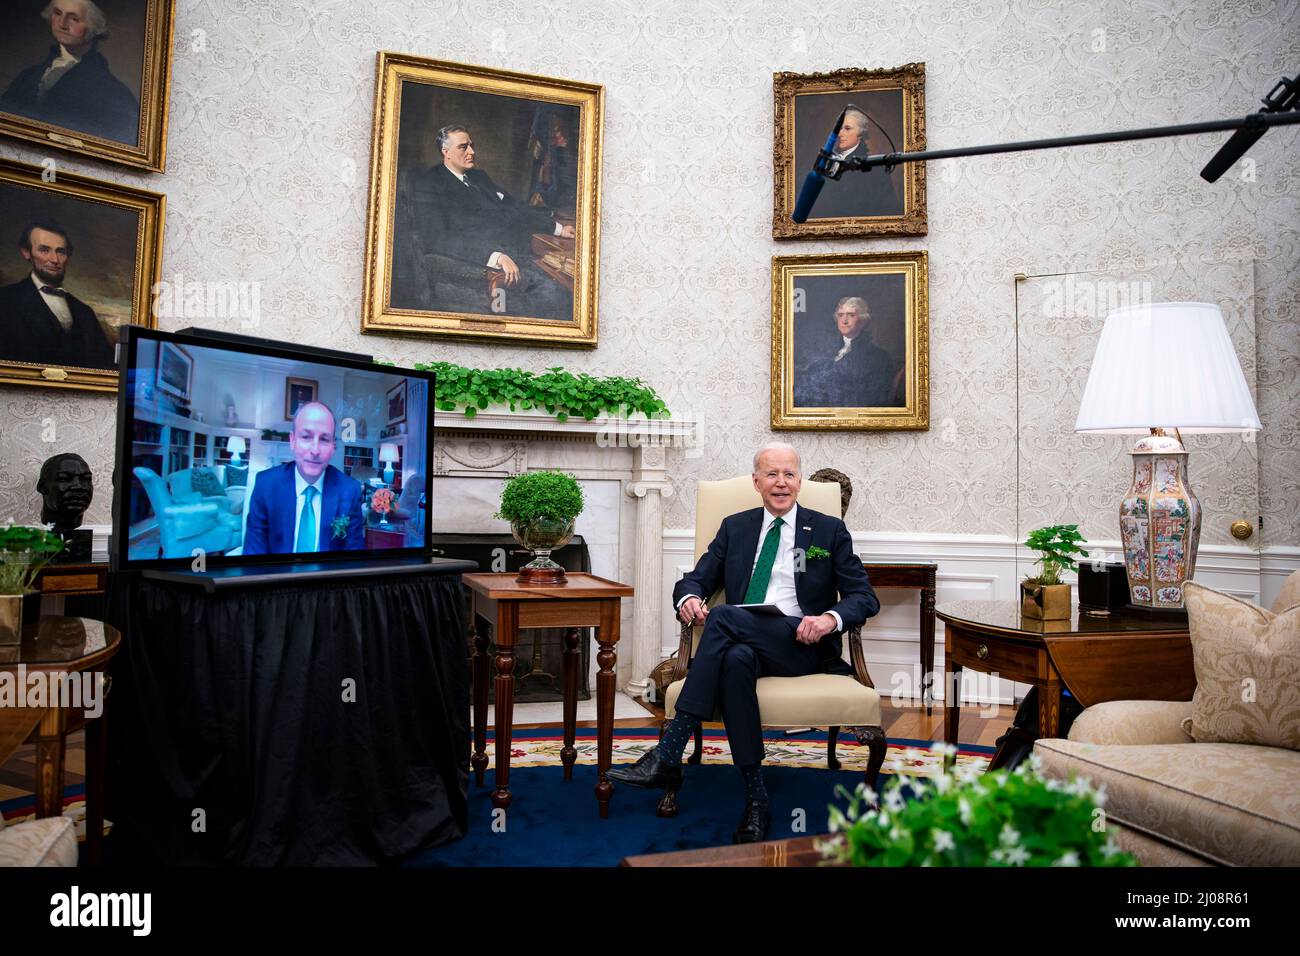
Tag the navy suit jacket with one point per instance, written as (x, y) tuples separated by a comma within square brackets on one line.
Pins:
[(29, 332), (271, 526), (88, 98), (860, 194), (838, 583)]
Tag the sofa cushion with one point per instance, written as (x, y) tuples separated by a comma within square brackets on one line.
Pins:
[(817, 700), (1235, 804), (1289, 596), (1133, 722), (50, 841), (206, 483), (1247, 671)]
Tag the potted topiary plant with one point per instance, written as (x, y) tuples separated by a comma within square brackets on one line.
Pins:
[(541, 507), (1043, 597), (23, 552), (969, 818)]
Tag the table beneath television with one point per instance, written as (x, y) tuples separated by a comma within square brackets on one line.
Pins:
[(504, 606), (318, 717)]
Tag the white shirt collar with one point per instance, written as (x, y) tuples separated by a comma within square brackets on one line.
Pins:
[(788, 519), (36, 281), (300, 483)]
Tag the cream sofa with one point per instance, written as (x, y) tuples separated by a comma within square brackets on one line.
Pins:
[(1174, 801), (47, 842)]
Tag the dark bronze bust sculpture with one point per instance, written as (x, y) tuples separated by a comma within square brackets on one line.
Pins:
[(66, 488), (846, 486)]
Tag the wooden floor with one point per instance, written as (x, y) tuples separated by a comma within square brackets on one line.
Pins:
[(977, 727)]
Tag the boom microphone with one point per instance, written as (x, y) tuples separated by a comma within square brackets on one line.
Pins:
[(813, 182)]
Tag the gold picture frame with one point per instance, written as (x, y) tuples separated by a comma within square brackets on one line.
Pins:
[(137, 62), (439, 251), (834, 368), (874, 203), (298, 392), (106, 223)]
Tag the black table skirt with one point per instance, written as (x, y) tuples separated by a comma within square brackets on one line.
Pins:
[(322, 724)]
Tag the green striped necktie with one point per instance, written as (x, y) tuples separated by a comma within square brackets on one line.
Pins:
[(757, 592)]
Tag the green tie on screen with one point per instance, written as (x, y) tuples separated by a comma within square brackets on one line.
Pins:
[(307, 523), (757, 592)]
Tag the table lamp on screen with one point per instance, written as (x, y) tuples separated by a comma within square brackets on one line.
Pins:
[(388, 455), (1163, 367), (236, 446)]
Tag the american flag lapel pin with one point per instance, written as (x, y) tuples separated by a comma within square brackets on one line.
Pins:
[(807, 527)]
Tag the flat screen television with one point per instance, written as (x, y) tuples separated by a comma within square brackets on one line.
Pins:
[(246, 451)]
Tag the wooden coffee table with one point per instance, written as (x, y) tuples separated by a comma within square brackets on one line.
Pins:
[(796, 852), (501, 607)]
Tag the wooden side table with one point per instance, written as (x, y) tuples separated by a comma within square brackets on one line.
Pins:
[(1123, 656), (70, 646), (919, 576), (504, 606)]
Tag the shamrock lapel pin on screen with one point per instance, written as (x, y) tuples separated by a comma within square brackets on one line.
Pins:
[(815, 553)]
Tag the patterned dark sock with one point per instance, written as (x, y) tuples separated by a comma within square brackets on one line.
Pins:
[(755, 790), (679, 730)]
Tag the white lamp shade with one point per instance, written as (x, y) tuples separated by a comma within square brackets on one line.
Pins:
[(388, 452), (1166, 365), (236, 445)]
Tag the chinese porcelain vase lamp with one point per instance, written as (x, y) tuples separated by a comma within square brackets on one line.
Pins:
[(1161, 370)]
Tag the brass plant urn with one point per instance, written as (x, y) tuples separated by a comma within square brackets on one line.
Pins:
[(1045, 602), (540, 537)]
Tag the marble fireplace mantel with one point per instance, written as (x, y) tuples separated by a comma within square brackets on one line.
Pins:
[(624, 467)]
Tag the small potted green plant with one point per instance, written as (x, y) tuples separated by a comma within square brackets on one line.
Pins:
[(23, 552), (969, 818), (541, 507), (1042, 596)]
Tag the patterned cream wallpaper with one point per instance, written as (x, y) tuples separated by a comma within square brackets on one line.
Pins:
[(268, 166)]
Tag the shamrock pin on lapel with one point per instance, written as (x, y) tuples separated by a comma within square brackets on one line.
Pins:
[(339, 527)]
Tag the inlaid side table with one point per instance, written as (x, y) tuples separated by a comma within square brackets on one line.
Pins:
[(501, 607)]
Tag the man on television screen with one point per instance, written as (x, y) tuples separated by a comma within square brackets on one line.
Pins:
[(306, 505)]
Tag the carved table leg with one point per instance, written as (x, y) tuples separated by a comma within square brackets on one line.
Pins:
[(96, 772), (49, 764), (927, 648), (479, 760), (951, 697), (572, 658), (606, 658), (1049, 708), (507, 632)]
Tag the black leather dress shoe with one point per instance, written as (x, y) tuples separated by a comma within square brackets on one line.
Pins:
[(651, 772), (753, 823)]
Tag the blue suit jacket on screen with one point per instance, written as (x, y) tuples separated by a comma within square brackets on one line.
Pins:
[(271, 512), (837, 583)]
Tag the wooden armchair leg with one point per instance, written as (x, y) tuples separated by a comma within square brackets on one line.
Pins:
[(832, 737), (874, 738), (698, 756)]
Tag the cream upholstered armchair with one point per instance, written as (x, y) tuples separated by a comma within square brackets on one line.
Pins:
[(817, 700)]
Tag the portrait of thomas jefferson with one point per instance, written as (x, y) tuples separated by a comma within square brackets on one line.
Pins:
[(72, 84), (849, 345)]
